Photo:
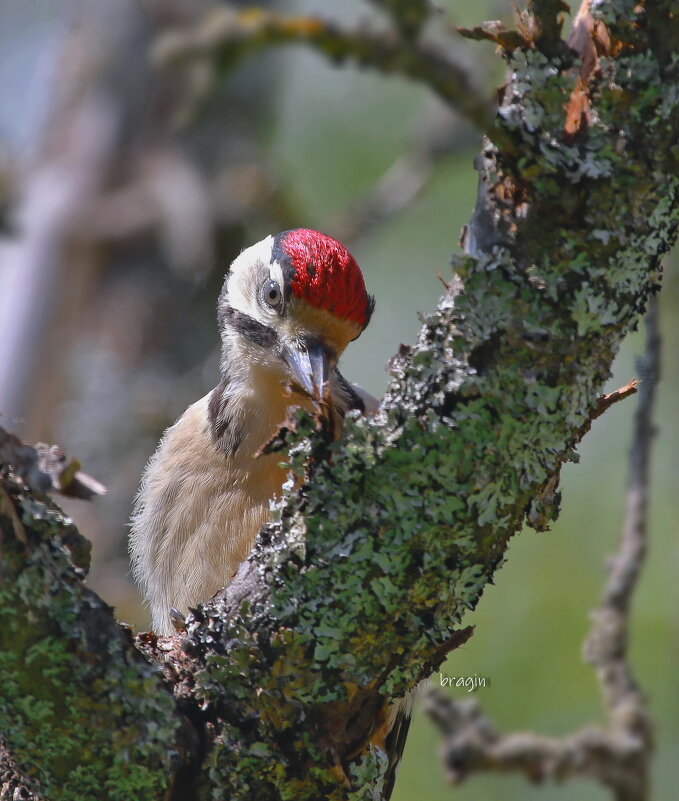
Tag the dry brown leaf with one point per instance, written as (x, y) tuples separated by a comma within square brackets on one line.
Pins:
[(577, 109), (590, 39)]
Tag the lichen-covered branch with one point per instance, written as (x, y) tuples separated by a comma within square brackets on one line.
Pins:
[(229, 35), (82, 714), (358, 586), (617, 756)]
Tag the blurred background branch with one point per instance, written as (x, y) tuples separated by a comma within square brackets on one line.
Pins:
[(106, 119), (618, 756), (409, 15), (230, 35)]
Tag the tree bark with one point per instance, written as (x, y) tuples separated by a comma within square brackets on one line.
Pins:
[(355, 591)]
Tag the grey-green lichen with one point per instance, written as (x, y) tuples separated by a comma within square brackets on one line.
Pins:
[(395, 538), (356, 589), (83, 715)]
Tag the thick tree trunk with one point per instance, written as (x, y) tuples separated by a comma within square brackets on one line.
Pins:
[(356, 590)]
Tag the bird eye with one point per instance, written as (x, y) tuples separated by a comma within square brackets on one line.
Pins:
[(272, 294)]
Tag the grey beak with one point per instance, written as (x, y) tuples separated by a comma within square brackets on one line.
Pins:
[(309, 364)]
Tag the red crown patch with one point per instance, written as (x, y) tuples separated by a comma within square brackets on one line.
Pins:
[(325, 275)]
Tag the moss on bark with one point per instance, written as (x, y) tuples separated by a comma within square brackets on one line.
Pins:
[(357, 588)]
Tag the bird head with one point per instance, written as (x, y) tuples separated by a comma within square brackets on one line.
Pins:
[(293, 302)]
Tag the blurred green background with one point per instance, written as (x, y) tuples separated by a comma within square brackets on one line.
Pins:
[(327, 136)]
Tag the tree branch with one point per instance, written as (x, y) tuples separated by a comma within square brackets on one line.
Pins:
[(75, 691), (472, 744), (606, 647), (358, 586), (619, 756), (229, 35)]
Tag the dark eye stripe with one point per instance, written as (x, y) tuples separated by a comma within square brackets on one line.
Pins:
[(249, 327)]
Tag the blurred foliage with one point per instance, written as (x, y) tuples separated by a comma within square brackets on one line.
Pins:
[(329, 135)]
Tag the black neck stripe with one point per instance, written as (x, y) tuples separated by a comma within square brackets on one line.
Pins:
[(225, 434)]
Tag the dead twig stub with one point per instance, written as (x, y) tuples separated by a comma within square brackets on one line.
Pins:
[(45, 468)]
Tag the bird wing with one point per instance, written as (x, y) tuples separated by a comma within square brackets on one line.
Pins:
[(355, 397), (396, 741)]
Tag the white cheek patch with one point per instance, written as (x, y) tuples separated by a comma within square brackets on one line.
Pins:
[(244, 282)]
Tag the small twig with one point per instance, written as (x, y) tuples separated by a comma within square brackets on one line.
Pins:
[(606, 645), (446, 284), (473, 745), (231, 34), (606, 401), (66, 477), (603, 404), (617, 756), (495, 31), (544, 506), (45, 469)]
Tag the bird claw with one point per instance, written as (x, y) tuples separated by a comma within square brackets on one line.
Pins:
[(178, 620)]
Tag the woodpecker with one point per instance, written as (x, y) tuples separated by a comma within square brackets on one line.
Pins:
[(289, 307)]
